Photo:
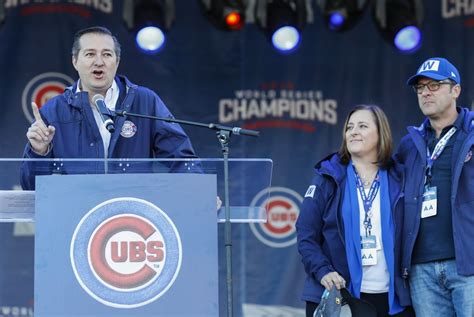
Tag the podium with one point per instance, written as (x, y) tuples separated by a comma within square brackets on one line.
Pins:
[(131, 237)]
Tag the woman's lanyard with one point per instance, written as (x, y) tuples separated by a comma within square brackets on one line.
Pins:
[(367, 199), (439, 148)]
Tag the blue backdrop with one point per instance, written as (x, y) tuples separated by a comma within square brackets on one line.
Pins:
[(297, 101)]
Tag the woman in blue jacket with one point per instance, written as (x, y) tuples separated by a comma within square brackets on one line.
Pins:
[(349, 225)]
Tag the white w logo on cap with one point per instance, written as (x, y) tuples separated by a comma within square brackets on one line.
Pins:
[(429, 65)]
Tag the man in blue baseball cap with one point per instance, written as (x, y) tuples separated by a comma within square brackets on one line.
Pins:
[(436, 68), (438, 254)]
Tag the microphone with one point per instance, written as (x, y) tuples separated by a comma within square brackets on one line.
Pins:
[(241, 131), (104, 112)]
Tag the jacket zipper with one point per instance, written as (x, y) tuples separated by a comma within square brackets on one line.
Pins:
[(405, 270)]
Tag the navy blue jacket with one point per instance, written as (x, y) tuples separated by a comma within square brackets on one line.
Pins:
[(77, 134), (412, 153), (320, 228)]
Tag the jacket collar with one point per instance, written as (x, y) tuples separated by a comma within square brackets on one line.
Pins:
[(332, 166), (75, 99), (467, 123)]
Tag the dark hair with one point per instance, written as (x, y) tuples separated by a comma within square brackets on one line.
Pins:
[(76, 46), (385, 144)]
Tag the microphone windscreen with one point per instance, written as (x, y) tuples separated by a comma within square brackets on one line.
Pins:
[(97, 97)]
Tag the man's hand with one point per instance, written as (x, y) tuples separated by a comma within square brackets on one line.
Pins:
[(39, 135), (333, 278)]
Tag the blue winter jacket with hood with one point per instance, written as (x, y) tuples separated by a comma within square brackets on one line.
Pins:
[(77, 135), (412, 153), (320, 228)]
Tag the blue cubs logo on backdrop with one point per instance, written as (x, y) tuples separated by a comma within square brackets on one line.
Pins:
[(126, 252), (282, 208), (41, 88)]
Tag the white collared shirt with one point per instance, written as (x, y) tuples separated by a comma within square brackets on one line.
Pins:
[(375, 278), (110, 100)]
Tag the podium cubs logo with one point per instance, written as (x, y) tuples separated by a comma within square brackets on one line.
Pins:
[(281, 206), (41, 88), (126, 252)]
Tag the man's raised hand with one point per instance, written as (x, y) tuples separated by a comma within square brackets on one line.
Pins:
[(39, 135)]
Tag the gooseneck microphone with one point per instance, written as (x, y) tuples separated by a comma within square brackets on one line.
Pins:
[(104, 112)]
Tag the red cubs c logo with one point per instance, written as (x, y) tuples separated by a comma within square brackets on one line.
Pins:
[(281, 206), (282, 216), (41, 88), (127, 252)]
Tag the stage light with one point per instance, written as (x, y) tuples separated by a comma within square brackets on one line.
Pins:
[(225, 14), (286, 38), (408, 38), (399, 22), (336, 20), (151, 20), (341, 15), (150, 39), (234, 20), (282, 22)]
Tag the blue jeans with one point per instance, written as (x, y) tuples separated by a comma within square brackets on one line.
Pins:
[(438, 290)]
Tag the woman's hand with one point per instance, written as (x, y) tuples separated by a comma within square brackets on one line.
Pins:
[(333, 278)]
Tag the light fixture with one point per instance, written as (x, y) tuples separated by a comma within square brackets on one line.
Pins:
[(399, 22), (340, 15), (282, 22), (150, 20), (225, 14)]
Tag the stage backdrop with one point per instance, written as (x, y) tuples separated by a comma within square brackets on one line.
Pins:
[(297, 101)]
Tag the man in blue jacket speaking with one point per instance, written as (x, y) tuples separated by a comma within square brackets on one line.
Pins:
[(71, 126), (438, 250)]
